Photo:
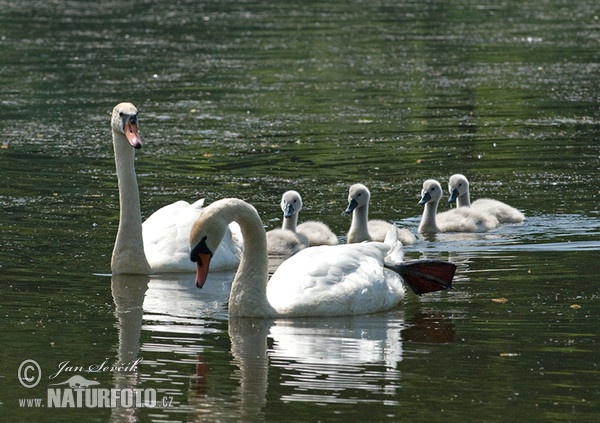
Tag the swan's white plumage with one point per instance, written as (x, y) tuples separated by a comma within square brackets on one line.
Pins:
[(160, 244), (461, 219), (362, 229), (317, 281), (458, 186), (164, 231), (166, 234), (340, 280)]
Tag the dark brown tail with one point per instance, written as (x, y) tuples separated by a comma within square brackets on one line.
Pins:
[(423, 276)]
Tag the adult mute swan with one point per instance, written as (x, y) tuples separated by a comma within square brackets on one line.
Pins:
[(458, 186), (363, 229), (317, 233), (317, 281), (159, 245), (460, 219)]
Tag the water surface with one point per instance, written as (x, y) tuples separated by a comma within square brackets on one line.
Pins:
[(250, 99)]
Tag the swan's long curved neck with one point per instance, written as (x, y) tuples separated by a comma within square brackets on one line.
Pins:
[(128, 253), (463, 200), (248, 295), (359, 228), (428, 223), (290, 223)]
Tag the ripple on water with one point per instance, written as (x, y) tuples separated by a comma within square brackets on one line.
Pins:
[(559, 232)]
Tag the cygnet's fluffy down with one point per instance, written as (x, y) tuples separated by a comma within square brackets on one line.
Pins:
[(458, 186), (282, 242), (310, 233), (461, 219), (317, 233), (363, 229)]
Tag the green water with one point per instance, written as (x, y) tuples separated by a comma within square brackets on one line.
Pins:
[(250, 99)]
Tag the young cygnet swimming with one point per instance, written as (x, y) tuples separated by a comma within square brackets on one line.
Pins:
[(458, 186), (363, 229), (461, 219), (317, 233)]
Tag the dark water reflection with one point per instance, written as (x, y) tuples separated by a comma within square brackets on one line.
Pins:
[(250, 99)]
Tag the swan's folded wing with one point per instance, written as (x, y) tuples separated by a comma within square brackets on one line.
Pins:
[(166, 237), (334, 280)]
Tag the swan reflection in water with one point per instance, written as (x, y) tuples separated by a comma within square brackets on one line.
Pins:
[(318, 359)]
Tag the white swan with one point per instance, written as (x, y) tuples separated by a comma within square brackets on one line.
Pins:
[(317, 281), (363, 229), (458, 186), (317, 233), (461, 219), (159, 245)]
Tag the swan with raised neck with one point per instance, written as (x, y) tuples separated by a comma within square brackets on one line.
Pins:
[(128, 254), (158, 245)]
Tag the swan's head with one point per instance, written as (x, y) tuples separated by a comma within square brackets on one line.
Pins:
[(431, 192), (457, 186), (358, 196), (291, 203), (124, 121), (205, 236)]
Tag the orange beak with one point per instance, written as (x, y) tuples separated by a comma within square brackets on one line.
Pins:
[(131, 132), (202, 268)]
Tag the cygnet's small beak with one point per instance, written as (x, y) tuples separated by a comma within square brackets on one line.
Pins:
[(425, 198), (453, 196), (289, 211), (351, 206)]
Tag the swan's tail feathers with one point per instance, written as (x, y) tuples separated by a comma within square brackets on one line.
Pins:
[(424, 276), (198, 204)]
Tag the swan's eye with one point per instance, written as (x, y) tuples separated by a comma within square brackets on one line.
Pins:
[(121, 114), (200, 248)]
